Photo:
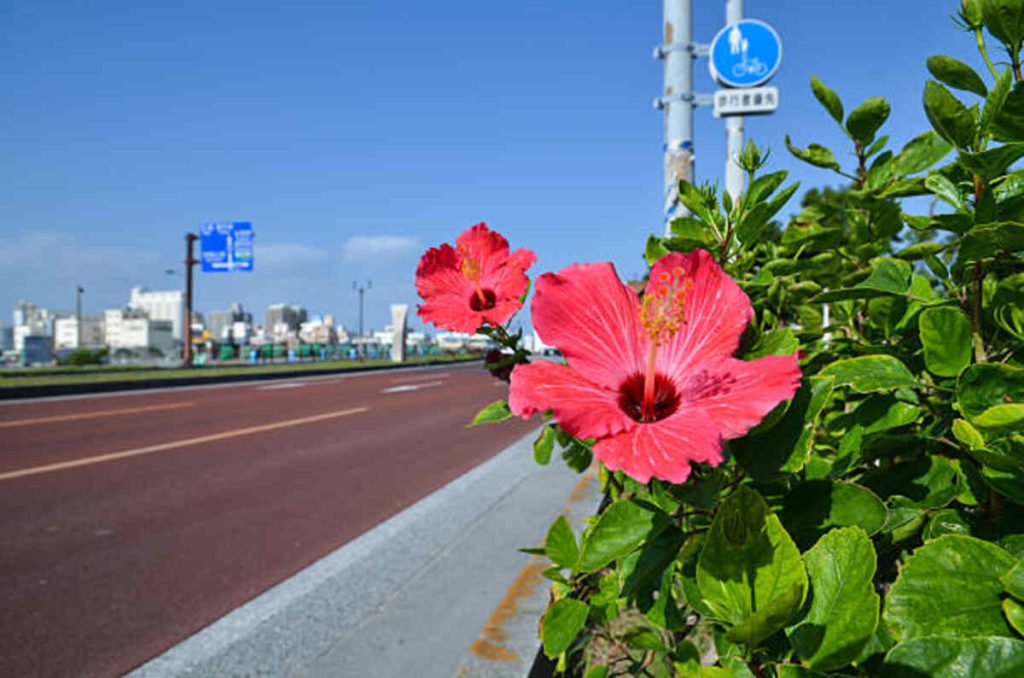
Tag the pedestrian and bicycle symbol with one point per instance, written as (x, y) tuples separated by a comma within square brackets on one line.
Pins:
[(745, 54)]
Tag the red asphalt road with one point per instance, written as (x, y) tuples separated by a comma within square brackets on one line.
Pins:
[(106, 564)]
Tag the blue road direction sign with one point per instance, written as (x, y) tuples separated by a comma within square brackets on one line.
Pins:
[(226, 246), (745, 54)]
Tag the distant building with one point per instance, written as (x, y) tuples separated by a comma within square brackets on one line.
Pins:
[(36, 350), (145, 335), (32, 321), (6, 338), (281, 320), (221, 324), (161, 305), (113, 322), (66, 332)]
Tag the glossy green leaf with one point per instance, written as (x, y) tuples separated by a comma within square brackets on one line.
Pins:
[(622, 527), (949, 587), (959, 658), (1013, 580), (948, 115), (982, 386), (996, 99), (1004, 19), (493, 413), (560, 544), (863, 122), (944, 189), (814, 506), (993, 162), (986, 241), (544, 445), (750, 573), (956, 74), (968, 435), (946, 337), (1007, 417), (870, 373), (775, 342), (1014, 613), (946, 521), (1008, 123), (815, 154), (920, 153), (844, 605), (561, 624), (887, 277), (828, 98), (786, 447), (752, 225)]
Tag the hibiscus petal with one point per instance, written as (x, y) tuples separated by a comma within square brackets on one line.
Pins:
[(487, 248), (717, 311), (585, 311), (510, 280), (438, 273), (663, 449), (737, 394), (582, 408), (451, 312)]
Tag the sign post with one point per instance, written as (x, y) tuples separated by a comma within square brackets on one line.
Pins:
[(226, 246)]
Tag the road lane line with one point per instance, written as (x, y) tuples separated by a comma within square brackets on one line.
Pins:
[(123, 454), (90, 415), (278, 387), (405, 388)]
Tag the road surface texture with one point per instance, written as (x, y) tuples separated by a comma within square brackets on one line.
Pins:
[(130, 521)]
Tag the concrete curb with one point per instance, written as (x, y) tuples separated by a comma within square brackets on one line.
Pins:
[(508, 643), (287, 627), (49, 390)]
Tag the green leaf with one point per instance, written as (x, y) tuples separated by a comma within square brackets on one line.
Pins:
[(544, 445), (993, 162), (1008, 123), (749, 572), (1014, 612), (815, 154), (864, 121), (622, 527), (959, 657), (995, 100), (1004, 19), (786, 447), (1013, 581), (968, 435), (562, 623), (1001, 417), (982, 386), (774, 342), (985, 241), (814, 506), (870, 373), (920, 153), (956, 74), (829, 99), (949, 587), (560, 544), (948, 115), (946, 337), (887, 277), (844, 605), (763, 186), (750, 227), (946, 521), (945, 189), (493, 413)]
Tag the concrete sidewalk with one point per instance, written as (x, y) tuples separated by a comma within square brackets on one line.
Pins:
[(438, 589)]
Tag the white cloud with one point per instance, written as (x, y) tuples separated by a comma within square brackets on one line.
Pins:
[(359, 248)]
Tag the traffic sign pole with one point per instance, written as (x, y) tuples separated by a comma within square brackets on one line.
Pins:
[(678, 51), (186, 328), (734, 178)]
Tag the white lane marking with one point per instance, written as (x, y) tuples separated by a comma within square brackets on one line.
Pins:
[(277, 387), (405, 388), (427, 377)]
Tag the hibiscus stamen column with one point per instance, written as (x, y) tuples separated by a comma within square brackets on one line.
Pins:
[(662, 314)]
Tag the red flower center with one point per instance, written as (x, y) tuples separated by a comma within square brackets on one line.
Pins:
[(482, 299), (633, 402)]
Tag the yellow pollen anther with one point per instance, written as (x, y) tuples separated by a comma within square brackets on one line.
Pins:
[(662, 311), (470, 268)]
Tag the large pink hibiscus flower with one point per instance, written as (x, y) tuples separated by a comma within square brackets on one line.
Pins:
[(476, 282), (654, 382)]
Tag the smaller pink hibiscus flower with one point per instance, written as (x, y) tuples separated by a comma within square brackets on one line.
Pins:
[(654, 382), (476, 282)]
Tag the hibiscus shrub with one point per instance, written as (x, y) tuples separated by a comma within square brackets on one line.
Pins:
[(811, 438)]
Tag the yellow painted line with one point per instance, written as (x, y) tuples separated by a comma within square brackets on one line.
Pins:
[(91, 415), (124, 454)]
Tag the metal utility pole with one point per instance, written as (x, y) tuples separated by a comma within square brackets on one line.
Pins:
[(78, 316), (734, 179), (678, 51), (362, 290), (186, 329)]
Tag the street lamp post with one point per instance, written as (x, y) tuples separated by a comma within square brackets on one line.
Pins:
[(78, 316), (362, 290), (186, 330)]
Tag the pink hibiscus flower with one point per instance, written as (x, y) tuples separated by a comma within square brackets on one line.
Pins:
[(654, 382), (476, 282)]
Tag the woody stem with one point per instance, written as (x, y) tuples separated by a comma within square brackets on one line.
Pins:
[(647, 410)]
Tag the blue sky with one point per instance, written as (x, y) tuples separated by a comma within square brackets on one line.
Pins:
[(355, 133)]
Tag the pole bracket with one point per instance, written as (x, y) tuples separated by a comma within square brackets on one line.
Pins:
[(693, 99), (697, 49)]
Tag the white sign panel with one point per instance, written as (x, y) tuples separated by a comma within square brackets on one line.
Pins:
[(749, 101)]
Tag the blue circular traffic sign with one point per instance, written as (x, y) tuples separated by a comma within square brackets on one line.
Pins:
[(745, 54)]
